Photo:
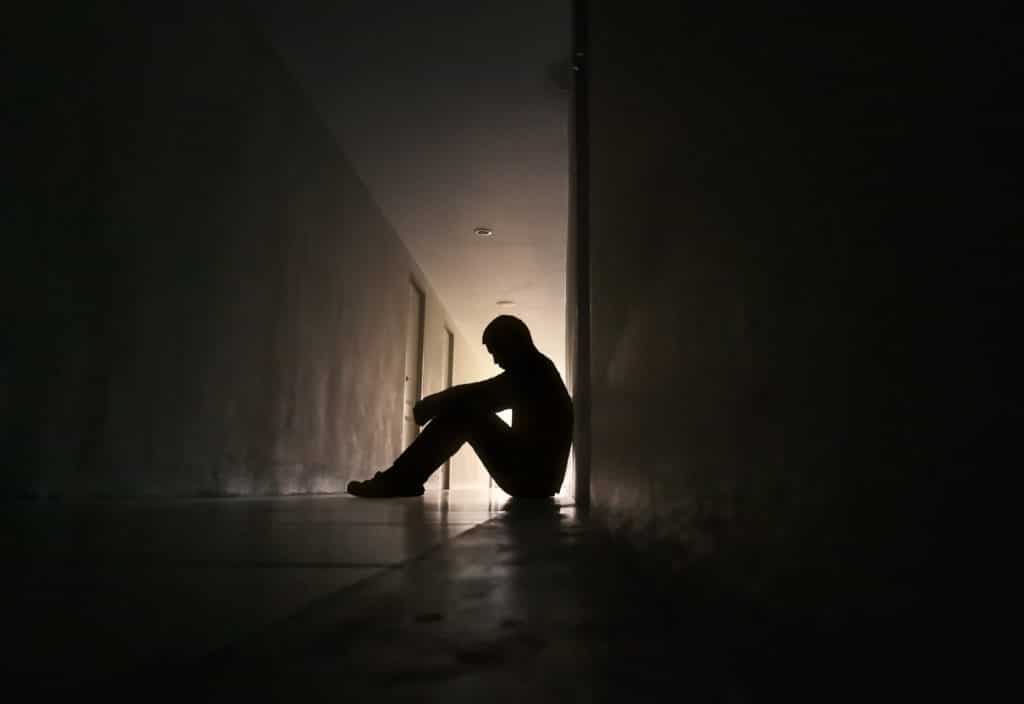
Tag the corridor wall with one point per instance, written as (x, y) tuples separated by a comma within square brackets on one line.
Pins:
[(801, 235), (201, 296)]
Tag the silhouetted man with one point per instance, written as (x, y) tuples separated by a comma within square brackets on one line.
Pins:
[(527, 459)]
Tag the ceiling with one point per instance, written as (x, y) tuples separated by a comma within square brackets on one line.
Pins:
[(455, 115)]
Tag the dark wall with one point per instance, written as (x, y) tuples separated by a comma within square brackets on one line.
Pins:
[(200, 294), (802, 239)]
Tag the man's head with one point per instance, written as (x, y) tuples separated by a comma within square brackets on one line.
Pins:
[(508, 340)]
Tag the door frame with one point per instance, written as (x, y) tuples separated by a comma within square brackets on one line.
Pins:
[(449, 379), (420, 320)]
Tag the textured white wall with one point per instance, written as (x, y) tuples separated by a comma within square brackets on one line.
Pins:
[(213, 302)]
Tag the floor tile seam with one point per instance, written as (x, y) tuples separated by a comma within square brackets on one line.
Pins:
[(224, 564), (390, 570), (211, 661), (220, 523), (349, 596), (398, 523), (131, 562), (149, 559), (370, 598)]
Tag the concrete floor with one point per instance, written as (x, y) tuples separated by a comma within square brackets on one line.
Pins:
[(455, 596), (450, 597), (97, 590)]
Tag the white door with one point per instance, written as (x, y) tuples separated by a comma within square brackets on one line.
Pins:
[(413, 361)]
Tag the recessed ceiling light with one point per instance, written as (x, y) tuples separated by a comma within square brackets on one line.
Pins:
[(483, 232), (506, 303)]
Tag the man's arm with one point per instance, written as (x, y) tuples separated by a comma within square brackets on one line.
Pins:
[(488, 396)]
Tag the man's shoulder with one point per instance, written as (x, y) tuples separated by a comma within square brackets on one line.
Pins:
[(541, 364), (546, 374)]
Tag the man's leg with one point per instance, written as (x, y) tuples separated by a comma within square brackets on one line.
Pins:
[(489, 436), (444, 435), (513, 470)]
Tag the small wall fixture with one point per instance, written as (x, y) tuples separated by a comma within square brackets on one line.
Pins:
[(483, 232), (505, 303)]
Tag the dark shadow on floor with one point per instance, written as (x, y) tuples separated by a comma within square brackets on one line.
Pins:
[(537, 605)]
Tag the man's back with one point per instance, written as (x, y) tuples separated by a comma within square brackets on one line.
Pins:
[(542, 413)]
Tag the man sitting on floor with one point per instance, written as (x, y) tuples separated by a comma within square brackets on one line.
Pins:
[(526, 460)]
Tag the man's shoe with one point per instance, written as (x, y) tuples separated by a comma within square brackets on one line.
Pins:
[(383, 486)]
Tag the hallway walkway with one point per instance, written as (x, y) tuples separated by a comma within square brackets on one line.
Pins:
[(464, 597), (453, 597), (96, 590), (530, 606)]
